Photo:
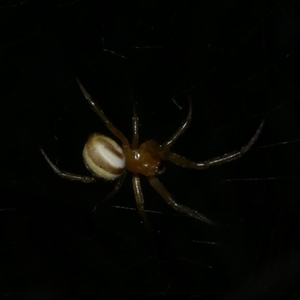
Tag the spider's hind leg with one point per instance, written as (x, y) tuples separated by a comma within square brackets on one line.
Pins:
[(114, 191), (66, 175)]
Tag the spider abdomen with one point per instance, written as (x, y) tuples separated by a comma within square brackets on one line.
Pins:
[(104, 157)]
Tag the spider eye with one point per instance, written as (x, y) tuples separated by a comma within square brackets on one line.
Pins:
[(104, 157)]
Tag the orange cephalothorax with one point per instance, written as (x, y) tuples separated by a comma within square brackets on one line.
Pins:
[(144, 160)]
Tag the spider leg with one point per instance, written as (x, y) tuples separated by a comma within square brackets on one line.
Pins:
[(118, 185), (138, 193), (160, 188), (183, 162), (183, 127), (65, 175), (135, 128), (101, 114)]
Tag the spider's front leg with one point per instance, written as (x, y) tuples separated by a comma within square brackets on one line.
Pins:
[(165, 194), (186, 163)]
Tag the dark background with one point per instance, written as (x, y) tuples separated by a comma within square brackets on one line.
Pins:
[(238, 60)]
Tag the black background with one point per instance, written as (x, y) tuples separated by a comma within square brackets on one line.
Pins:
[(238, 61)]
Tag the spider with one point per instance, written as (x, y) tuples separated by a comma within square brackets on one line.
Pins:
[(105, 159)]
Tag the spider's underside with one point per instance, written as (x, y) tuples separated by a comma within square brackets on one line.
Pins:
[(142, 159)]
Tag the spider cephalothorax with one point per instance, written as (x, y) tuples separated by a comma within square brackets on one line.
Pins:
[(104, 158)]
